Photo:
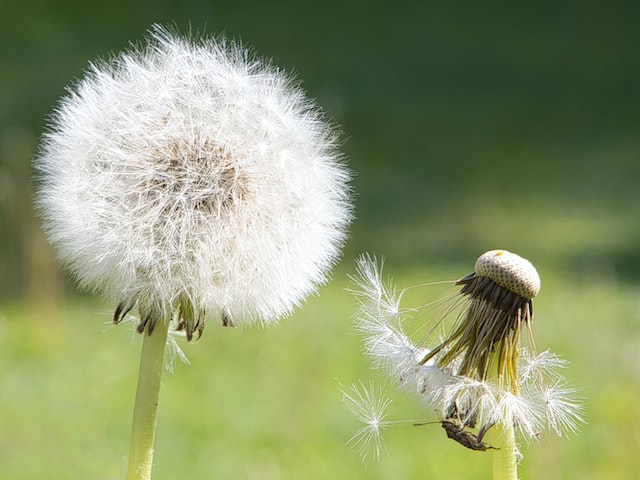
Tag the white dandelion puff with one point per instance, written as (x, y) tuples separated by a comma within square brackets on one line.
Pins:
[(190, 178), (369, 405), (188, 181)]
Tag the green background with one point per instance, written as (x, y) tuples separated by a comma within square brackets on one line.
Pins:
[(469, 126)]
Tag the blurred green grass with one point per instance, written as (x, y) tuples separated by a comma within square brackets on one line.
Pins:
[(265, 402), (469, 127)]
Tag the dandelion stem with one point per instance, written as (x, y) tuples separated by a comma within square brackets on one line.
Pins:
[(503, 437), (505, 465), (143, 430)]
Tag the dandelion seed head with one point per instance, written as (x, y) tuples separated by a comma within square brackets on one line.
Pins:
[(475, 373), (189, 176)]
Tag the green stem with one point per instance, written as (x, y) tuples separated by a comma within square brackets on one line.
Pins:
[(143, 430), (505, 464)]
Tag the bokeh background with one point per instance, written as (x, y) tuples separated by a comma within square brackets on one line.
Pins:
[(469, 126)]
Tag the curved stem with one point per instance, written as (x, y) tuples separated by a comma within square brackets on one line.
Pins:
[(505, 464), (143, 430)]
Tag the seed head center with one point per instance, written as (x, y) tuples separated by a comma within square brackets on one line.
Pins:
[(203, 178)]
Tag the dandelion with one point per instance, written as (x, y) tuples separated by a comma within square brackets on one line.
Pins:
[(371, 407), (190, 181), (472, 366)]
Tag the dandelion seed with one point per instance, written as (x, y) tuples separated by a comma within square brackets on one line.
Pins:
[(563, 411), (379, 319), (519, 411), (540, 367), (368, 405), (375, 297)]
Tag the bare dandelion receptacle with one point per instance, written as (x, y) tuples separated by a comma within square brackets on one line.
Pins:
[(509, 271)]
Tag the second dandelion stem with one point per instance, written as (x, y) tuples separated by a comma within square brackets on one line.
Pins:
[(505, 464), (143, 429)]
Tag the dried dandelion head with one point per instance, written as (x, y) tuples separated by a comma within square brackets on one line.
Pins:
[(189, 180), (478, 373), (486, 342)]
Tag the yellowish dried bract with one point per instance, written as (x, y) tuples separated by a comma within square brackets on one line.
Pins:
[(510, 271)]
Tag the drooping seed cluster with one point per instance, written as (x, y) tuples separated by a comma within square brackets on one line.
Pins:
[(474, 373)]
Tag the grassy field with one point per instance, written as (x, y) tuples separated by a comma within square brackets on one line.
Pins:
[(468, 128), (266, 403)]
